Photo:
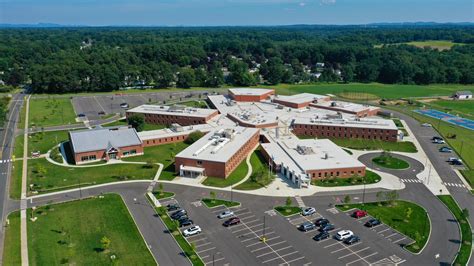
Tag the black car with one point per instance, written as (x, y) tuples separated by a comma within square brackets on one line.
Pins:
[(327, 227), (185, 222), (172, 207), (81, 115), (321, 222), (306, 226), (351, 240), (178, 214), (321, 236), (372, 223), (436, 138), (232, 221)]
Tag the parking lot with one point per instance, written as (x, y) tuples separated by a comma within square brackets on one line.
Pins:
[(91, 106), (205, 248)]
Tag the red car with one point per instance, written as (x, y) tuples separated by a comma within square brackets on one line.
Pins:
[(359, 214), (231, 221)]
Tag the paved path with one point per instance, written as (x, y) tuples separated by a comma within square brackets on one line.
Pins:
[(24, 176)]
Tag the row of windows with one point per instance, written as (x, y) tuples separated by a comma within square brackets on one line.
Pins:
[(131, 152), (88, 158), (345, 135), (386, 131), (159, 116), (165, 140), (332, 173)]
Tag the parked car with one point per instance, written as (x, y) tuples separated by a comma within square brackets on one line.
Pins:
[(439, 141), (308, 211), (192, 231), (185, 222), (124, 105), (327, 228), (359, 214), (306, 226), (81, 115), (436, 138), (426, 125), (455, 161), (172, 207), (101, 113), (445, 149), (372, 223), (321, 236), (321, 222), (232, 221), (225, 214), (351, 240), (178, 214), (344, 234)]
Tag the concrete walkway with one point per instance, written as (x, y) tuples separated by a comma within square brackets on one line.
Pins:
[(249, 165), (23, 203)]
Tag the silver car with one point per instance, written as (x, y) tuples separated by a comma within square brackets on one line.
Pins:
[(225, 214)]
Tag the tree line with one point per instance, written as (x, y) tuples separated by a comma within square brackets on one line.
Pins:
[(63, 60)]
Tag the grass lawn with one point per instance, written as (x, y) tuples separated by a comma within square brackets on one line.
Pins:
[(71, 233), (147, 127), (21, 122), (435, 44), (18, 148), (466, 231), (469, 176), (369, 178), (196, 104), (55, 177), (44, 141), (387, 91), (287, 210), (238, 174), (163, 195), (12, 248), (211, 203), (15, 180), (161, 154), (367, 144), (417, 227), (182, 242), (391, 162), (462, 108), (259, 177), (51, 112)]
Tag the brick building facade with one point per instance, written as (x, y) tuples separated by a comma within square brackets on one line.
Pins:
[(250, 95), (345, 131)]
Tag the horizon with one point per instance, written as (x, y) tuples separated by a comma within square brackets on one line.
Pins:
[(214, 13)]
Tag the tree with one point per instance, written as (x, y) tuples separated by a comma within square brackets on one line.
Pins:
[(186, 78), (392, 196), (193, 137), (105, 242), (408, 213), (137, 121), (379, 196), (212, 194), (465, 213), (288, 201), (347, 199)]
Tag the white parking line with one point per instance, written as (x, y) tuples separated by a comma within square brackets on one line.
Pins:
[(202, 251), (282, 248), (215, 260), (251, 216), (253, 221), (391, 235), (300, 258), (256, 243), (362, 258), (332, 244), (275, 258), (200, 245), (345, 247), (396, 241), (264, 254), (272, 238), (353, 253), (291, 253), (255, 250), (260, 224), (383, 230), (281, 242)]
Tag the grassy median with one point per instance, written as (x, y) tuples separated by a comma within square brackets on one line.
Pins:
[(73, 233), (12, 245), (367, 144), (391, 162)]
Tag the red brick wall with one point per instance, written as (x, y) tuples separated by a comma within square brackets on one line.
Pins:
[(165, 140), (363, 113), (218, 169), (101, 154), (339, 172), (171, 118), (344, 132), (292, 105), (251, 98)]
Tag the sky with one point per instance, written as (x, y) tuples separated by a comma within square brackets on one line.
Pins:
[(232, 12)]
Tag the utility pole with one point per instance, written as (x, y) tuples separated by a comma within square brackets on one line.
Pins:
[(363, 194), (263, 235), (231, 198)]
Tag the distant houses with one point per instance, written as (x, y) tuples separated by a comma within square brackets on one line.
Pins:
[(462, 95)]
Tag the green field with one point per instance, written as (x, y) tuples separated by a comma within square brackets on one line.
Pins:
[(369, 178), (466, 230), (417, 226), (259, 177), (238, 174), (12, 246), (462, 108), (367, 144), (51, 112), (15, 180), (196, 104), (56, 177), (391, 162), (44, 141), (386, 91), (70, 233), (161, 154), (435, 44), (287, 210)]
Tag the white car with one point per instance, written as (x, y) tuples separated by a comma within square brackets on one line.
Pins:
[(225, 214), (439, 141), (124, 105), (193, 230), (426, 125), (308, 211), (344, 234)]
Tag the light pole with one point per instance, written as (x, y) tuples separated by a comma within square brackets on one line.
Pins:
[(363, 194), (231, 196), (263, 235)]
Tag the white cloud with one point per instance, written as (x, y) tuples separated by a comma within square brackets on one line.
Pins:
[(302, 4), (328, 2)]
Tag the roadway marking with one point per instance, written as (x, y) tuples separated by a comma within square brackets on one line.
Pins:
[(300, 258), (255, 250), (399, 240), (350, 254), (344, 247), (362, 258), (391, 235), (332, 245), (202, 251)]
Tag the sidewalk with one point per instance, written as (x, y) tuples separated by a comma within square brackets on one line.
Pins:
[(23, 204)]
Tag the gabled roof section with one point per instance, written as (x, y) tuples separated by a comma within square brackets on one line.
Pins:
[(103, 138)]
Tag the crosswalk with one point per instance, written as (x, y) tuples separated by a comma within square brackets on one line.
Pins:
[(6, 161), (299, 201), (454, 184), (411, 180)]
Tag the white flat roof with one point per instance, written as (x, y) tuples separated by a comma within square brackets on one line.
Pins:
[(208, 148), (172, 110), (285, 151), (300, 98), (250, 91), (167, 132), (347, 106), (376, 123)]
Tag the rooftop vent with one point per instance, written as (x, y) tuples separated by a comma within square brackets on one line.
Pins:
[(304, 150)]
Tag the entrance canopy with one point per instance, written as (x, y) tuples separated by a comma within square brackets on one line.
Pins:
[(190, 171)]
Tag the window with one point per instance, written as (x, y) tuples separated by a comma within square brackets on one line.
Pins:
[(84, 158), (199, 162), (133, 152)]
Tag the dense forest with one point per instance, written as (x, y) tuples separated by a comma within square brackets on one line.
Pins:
[(59, 60)]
